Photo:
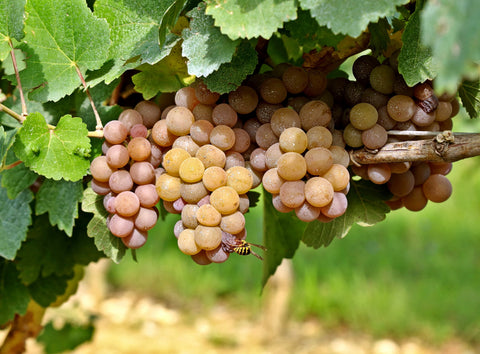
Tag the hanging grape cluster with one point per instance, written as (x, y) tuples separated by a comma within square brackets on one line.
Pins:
[(287, 129)]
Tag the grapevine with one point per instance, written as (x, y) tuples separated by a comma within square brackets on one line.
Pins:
[(103, 132)]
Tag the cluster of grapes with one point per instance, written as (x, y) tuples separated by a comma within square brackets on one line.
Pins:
[(288, 129), (380, 100), (125, 174)]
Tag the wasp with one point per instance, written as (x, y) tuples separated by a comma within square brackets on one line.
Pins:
[(243, 248)]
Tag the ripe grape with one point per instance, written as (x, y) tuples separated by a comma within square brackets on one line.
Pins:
[(207, 215), (243, 100), (146, 219), (315, 113), (225, 200), (293, 140), (179, 120), (233, 223), (186, 242), (222, 137), (115, 132), (191, 170), (207, 237), (135, 239), (291, 166), (100, 169), (139, 149), (121, 226), (437, 188), (147, 195), (120, 181), (292, 193), (318, 191), (127, 203), (150, 111), (142, 172)]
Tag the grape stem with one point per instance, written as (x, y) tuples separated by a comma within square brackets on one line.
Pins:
[(95, 112), (444, 147), (19, 83), (11, 113)]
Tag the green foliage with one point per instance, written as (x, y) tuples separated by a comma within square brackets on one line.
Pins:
[(243, 64), (15, 217), (350, 17), (282, 235), (11, 24), (61, 153), (61, 37), (469, 92), (66, 338), (251, 18), (13, 293), (168, 75), (204, 46), (365, 207), (44, 290), (415, 62), (452, 31), (60, 199), (6, 141), (17, 179)]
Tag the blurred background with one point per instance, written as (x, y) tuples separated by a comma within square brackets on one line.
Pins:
[(407, 285)]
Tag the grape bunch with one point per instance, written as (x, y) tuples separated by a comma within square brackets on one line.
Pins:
[(380, 100), (125, 174)]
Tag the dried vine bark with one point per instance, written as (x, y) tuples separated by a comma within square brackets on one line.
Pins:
[(444, 147), (22, 328)]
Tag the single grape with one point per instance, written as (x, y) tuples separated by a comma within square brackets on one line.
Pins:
[(240, 179), (400, 184), (278, 204), (146, 218), (211, 156), (319, 161), (284, 118), (319, 137), (315, 113), (318, 191), (127, 203), (379, 173), (225, 200), (161, 135), (291, 166), (292, 193), (234, 158), (437, 188), (120, 181), (401, 108), (178, 228), (243, 100), (203, 112), (185, 97), (337, 207), (100, 169), (204, 95), (307, 212), (223, 137), (382, 78), (142, 172), (208, 238), (193, 192), (147, 195), (168, 187), (136, 239), (340, 156), (191, 170), (415, 200), (115, 132), (352, 136), (293, 140), (265, 137), (189, 216), (186, 242), (265, 110), (218, 255), (272, 181), (121, 226), (179, 120), (139, 149), (258, 159), (363, 116), (233, 223), (207, 215), (224, 114), (295, 79), (317, 83), (214, 177), (421, 172), (201, 258), (273, 91), (375, 137), (272, 155), (200, 131), (150, 112)]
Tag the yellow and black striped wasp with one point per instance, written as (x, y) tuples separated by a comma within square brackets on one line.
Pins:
[(243, 248)]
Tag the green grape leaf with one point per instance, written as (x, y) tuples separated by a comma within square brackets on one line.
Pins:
[(469, 92), (6, 141), (170, 20), (16, 179), (66, 338), (49, 251), (136, 30), (282, 235), (451, 30), (112, 246), (11, 24), (61, 38), (243, 64), (15, 217), (250, 19), (60, 153), (45, 290), (309, 34), (13, 293), (366, 207), (415, 62), (379, 37), (72, 286), (350, 16), (168, 75), (205, 47), (60, 199)]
